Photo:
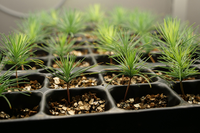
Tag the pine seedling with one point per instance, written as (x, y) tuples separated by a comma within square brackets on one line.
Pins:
[(178, 50), (147, 45), (33, 28), (60, 45), (119, 16), (130, 65), (141, 22), (49, 20), (106, 34), (128, 57), (191, 33), (66, 71), (17, 49), (71, 22), (94, 14), (123, 42), (6, 82)]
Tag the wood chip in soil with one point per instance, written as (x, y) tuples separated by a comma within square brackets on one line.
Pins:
[(19, 113), (82, 81), (124, 80), (191, 98), (144, 102), (34, 85), (81, 104)]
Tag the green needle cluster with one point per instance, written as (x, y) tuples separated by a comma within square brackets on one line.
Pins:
[(141, 22), (71, 22), (60, 45), (94, 14), (17, 48), (129, 58), (106, 33), (66, 72), (119, 16), (6, 82), (178, 50), (49, 20), (33, 28)]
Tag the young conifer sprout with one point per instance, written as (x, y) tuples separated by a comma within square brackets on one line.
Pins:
[(123, 42), (6, 82), (192, 32), (94, 14), (119, 16), (17, 49), (147, 45), (141, 22), (178, 50), (60, 45), (106, 34), (49, 20), (130, 66), (129, 58), (71, 22), (66, 71), (33, 28)]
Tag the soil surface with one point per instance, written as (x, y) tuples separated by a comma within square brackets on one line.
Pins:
[(33, 85), (81, 104), (79, 52), (19, 113), (91, 37), (40, 53), (191, 98), (79, 38), (82, 81), (123, 80), (102, 52), (174, 79), (107, 63), (35, 67), (82, 64), (145, 102)]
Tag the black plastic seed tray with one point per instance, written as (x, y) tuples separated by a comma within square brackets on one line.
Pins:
[(177, 116)]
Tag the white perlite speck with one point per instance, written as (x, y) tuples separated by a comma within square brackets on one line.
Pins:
[(56, 80)]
